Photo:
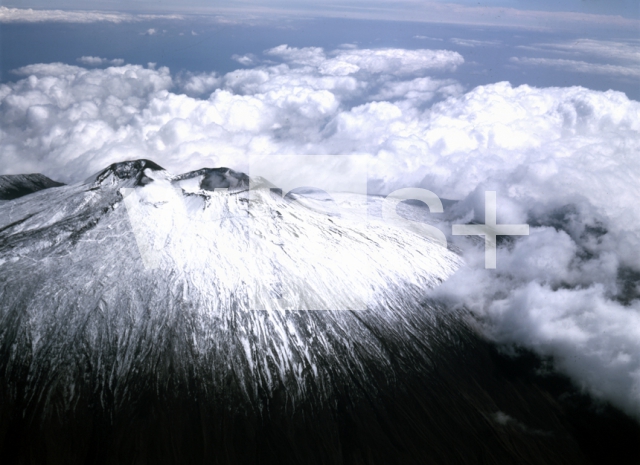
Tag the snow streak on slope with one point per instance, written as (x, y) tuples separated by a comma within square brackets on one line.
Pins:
[(218, 259)]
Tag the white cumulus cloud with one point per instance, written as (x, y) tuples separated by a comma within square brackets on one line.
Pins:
[(97, 61), (418, 89), (388, 61), (245, 60)]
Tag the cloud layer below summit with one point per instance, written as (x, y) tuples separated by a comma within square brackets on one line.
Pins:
[(563, 160)]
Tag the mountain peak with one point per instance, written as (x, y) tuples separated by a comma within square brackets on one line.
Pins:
[(210, 179), (135, 170), (13, 186)]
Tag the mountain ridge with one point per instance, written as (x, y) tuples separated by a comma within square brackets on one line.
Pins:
[(13, 186)]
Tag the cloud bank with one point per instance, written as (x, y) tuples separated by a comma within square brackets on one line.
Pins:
[(563, 160), (388, 61)]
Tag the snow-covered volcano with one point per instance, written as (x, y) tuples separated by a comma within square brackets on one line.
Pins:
[(134, 249), (149, 314)]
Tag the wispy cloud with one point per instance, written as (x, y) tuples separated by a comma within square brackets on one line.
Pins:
[(624, 51), (451, 13), (19, 15), (427, 38), (580, 66), (400, 10), (474, 43)]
